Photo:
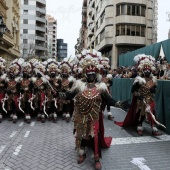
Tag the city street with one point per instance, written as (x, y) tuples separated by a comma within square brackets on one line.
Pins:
[(50, 146)]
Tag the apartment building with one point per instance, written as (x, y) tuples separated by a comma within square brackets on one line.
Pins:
[(9, 40), (118, 26), (33, 29), (61, 50), (52, 36)]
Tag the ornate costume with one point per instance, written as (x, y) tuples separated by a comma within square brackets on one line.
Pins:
[(66, 83), (107, 79), (143, 89), (88, 117), (55, 81), (13, 89), (26, 90), (39, 89)]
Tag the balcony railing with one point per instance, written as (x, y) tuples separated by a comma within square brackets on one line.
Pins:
[(40, 28)]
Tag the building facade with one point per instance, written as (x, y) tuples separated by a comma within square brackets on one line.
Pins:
[(33, 29), (118, 26), (52, 36), (10, 41), (61, 50)]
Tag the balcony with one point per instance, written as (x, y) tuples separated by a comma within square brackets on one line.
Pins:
[(39, 28), (42, 10), (105, 42), (135, 40), (40, 47), (40, 38), (41, 19), (130, 19), (41, 1)]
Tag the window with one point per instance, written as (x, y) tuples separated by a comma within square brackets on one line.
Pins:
[(102, 18), (138, 10), (143, 31), (118, 30), (25, 21), (133, 10), (97, 25), (102, 35), (133, 30), (118, 10), (25, 41), (25, 2), (25, 31), (122, 29), (128, 30), (96, 41), (123, 9), (129, 9), (25, 12), (137, 30), (143, 8), (25, 51)]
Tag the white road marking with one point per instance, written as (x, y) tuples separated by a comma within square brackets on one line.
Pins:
[(144, 139), (26, 134), (17, 150), (13, 134), (2, 148), (140, 162), (32, 123), (21, 123)]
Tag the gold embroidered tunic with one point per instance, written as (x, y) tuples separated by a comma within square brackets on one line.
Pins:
[(86, 113)]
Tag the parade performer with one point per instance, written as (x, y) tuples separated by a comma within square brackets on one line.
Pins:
[(39, 90), (143, 89), (55, 82), (26, 90), (106, 78), (2, 86), (66, 83), (13, 89), (88, 117)]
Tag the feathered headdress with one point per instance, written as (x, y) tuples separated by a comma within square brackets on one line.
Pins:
[(15, 66), (89, 61), (145, 62), (52, 65), (66, 66)]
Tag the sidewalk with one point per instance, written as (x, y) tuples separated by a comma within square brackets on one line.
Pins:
[(50, 146)]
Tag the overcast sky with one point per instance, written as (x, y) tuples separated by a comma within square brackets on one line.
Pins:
[(68, 15)]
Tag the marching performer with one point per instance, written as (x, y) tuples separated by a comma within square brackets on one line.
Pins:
[(55, 82), (143, 89), (106, 78), (3, 77), (88, 118), (66, 83), (26, 89), (13, 103), (39, 89)]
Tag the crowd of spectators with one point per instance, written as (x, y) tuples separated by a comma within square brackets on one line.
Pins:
[(162, 70)]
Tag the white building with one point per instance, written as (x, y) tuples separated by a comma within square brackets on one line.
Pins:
[(52, 36), (118, 26), (33, 29)]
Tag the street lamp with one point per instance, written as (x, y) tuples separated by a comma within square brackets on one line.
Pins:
[(2, 27)]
